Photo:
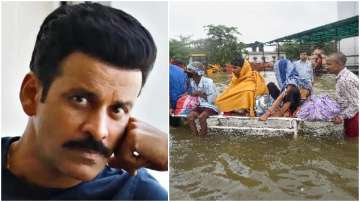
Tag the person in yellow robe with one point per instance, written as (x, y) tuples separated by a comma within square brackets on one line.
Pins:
[(245, 85)]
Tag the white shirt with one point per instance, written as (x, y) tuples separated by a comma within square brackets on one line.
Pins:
[(347, 93), (207, 86)]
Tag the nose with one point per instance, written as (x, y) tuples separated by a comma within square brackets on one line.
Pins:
[(97, 125)]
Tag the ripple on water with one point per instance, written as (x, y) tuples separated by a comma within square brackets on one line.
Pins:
[(276, 168)]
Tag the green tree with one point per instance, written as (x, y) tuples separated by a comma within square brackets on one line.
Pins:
[(222, 44), (180, 49), (200, 45), (328, 47), (293, 49)]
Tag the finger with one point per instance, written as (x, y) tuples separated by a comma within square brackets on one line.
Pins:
[(112, 162), (123, 138), (132, 169), (128, 166), (132, 119), (128, 162), (133, 172)]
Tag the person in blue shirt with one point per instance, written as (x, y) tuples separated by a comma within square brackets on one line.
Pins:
[(304, 68), (282, 69), (87, 69), (178, 84)]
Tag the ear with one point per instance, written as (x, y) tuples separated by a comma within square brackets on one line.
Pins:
[(29, 94)]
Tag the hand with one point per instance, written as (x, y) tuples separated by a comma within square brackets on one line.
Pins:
[(337, 120), (142, 146), (197, 93), (264, 117), (203, 95)]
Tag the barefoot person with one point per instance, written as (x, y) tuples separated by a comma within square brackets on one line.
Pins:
[(286, 105), (205, 89)]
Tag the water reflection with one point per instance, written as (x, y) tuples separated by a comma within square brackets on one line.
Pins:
[(259, 168)]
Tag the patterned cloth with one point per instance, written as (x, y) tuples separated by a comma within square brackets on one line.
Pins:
[(295, 79), (319, 108), (347, 93), (186, 103), (286, 74), (196, 67), (207, 86)]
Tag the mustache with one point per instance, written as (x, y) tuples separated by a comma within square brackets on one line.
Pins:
[(89, 143)]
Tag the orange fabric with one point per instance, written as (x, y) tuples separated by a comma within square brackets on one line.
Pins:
[(242, 91)]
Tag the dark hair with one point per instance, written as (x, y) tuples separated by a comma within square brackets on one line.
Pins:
[(273, 90), (340, 58), (238, 61), (102, 32), (293, 96), (178, 63)]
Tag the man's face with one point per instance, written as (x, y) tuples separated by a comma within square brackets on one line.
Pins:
[(89, 100), (317, 51), (236, 70), (313, 60), (332, 66), (303, 56)]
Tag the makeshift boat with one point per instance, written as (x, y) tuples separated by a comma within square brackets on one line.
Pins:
[(274, 126)]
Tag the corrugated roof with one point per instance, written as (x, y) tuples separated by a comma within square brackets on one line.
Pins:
[(334, 31)]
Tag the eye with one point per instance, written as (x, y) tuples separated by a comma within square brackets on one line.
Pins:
[(79, 100), (119, 110)]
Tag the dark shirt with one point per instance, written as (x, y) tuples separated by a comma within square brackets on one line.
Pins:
[(110, 184)]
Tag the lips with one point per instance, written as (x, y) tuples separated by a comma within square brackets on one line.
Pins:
[(85, 156)]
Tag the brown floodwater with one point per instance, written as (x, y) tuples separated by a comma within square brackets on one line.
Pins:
[(231, 167)]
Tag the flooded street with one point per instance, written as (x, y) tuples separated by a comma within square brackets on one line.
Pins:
[(263, 168)]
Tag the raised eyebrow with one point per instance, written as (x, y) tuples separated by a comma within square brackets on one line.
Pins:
[(121, 103), (83, 92)]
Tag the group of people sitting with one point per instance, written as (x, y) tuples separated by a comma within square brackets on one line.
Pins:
[(249, 95)]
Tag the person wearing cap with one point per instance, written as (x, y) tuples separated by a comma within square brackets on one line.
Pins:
[(205, 89)]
